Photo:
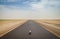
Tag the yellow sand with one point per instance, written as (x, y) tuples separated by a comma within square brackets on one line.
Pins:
[(8, 25), (52, 26)]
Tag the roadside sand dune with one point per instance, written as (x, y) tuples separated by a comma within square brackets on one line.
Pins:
[(8, 25), (52, 21), (52, 26)]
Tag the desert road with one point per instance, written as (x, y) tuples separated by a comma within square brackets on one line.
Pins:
[(22, 32)]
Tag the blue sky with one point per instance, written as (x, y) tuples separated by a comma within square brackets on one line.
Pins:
[(30, 9), (18, 3)]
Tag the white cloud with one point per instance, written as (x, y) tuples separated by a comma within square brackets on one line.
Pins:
[(46, 4), (39, 5)]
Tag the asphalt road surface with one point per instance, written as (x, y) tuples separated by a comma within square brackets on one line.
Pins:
[(36, 32)]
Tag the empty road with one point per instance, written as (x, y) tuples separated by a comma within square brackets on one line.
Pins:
[(22, 32)]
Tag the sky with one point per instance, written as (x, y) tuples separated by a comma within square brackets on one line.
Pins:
[(29, 9)]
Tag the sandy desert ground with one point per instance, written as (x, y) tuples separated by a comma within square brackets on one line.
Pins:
[(8, 25), (52, 26)]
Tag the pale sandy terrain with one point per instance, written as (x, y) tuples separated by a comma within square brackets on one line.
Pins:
[(52, 26), (8, 25)]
